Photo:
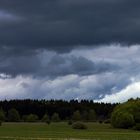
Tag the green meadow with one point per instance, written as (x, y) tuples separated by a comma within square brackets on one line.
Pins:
[(61, 130)]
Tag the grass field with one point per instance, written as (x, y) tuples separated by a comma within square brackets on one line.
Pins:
[(40, 131)]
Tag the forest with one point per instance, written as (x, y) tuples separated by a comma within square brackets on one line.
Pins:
[(64, 109)]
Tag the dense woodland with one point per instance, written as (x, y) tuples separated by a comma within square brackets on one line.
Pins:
[(65, 109)]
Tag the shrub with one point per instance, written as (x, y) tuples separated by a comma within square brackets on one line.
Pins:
[(137, 127), (0, 123), (2, 115), (137, 117), (122, 120), (46, 119), (70, 122), (79, 125), (100, 121), (76, 116), (13, 115), (24, 118), (48, 122), (55, 117), (32, 118), (84, 115), (107, 121), (92, 115)]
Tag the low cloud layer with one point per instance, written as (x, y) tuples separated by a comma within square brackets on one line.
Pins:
[(109, 75), (66, 87), (51, 64)]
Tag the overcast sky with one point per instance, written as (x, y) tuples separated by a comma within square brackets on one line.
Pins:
[(70, 49)]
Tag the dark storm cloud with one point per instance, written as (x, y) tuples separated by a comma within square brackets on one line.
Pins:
[(103, 74), (53, 66), (61, 25), (59, 48), (60, 66)]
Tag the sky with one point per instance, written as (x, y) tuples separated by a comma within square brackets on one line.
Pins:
[(70, 49)]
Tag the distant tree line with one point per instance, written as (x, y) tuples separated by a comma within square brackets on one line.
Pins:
[(54, 110)]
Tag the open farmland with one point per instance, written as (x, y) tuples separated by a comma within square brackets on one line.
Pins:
[(40, 131)]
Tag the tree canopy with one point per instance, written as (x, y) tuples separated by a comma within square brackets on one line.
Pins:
[(127, 114)]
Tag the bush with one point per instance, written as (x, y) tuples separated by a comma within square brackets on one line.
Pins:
[(79, 125), (13, 115), (137, 117), (2, 115), (84, 115), (92, 115), (100, 121), (70, 122), (0, 123), (76, 116), (32, 118), (46, 119), (137, 127), (55, 117), (48, 122), (122, 120), (24, 118), (107, 121)]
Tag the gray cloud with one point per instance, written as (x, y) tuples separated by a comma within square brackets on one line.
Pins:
[(84, 74), (51, 64), (53, 42), (66, 87), (62, 25)]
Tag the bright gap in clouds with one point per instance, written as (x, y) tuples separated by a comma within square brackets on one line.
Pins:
[(104, 74), (131, 91)]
